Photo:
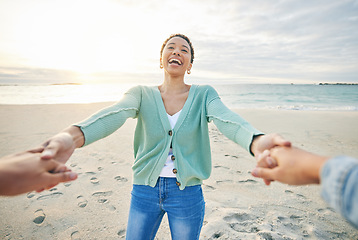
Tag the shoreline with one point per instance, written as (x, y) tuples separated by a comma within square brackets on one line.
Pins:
[(234, 209), (301, 97), (107, 103)]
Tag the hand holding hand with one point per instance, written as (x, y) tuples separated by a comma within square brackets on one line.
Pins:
[(60, 147), (294, 166), (268, 141), (25, 172), (263, 143), (261, 146)]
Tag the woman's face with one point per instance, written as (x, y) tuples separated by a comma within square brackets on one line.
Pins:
[(176, 56)]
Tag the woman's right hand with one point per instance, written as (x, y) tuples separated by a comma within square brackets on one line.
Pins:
[(60, 147)]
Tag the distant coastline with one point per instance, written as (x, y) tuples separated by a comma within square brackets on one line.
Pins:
[(66, 83), (338, 84)]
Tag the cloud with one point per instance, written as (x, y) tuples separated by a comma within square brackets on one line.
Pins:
[(292, 39), (258, 39)]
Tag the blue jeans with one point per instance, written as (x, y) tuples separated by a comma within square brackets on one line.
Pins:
[(185, 209)]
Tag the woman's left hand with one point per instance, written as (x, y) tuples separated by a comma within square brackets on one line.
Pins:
[(261, 147), (262, 144)]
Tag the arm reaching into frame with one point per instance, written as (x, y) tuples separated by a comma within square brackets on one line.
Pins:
[(25, 172), (338, 177), (294, 166)]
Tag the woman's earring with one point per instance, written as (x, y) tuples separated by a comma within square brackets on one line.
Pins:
[(188, 72), (161, 65)]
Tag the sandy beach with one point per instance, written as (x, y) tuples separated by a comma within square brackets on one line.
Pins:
[(238, 206)]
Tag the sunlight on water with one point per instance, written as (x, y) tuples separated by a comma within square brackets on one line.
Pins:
[(235, 96), (52, 94)]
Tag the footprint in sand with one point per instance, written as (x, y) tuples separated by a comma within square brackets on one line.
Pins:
[(239, 217), (326, 210), (101, 196), (121, 232), (121, 179), (296, 217), (223, 181), (248, 181), (242, 222), (82, 202), (265, 235), (298, 195), (51, 195), (30, 195), (218, 166), (209, 187), (301, 196), (75, 235), (233, 156), (39, 216), (94, 180), (102, 200), (216, 235)]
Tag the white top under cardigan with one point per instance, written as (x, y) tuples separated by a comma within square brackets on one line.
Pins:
[(167, 170)]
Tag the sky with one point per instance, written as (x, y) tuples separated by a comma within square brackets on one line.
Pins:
[(235, 41)]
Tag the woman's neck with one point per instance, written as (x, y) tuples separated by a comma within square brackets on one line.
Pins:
[(174, 85)]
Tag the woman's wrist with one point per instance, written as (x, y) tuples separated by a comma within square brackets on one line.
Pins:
[(76, 135), (254, 144)]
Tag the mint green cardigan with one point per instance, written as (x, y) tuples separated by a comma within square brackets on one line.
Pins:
[(154, 135)]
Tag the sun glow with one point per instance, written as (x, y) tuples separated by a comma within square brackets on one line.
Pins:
[(82, 36), (85, 40)]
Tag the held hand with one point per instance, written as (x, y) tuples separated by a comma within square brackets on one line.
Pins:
[(264, 160), (294, 167), (25, 172), (61, 173), (262, 144), (269, 141), (60, 147)]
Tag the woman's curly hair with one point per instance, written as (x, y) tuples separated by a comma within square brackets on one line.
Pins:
[(183, 37)]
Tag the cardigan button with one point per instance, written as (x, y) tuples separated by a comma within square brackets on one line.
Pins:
[(178, 184), (170, 132), (175, 171), (173, 157)]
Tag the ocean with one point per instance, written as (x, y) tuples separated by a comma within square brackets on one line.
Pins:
[(302, 97)]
